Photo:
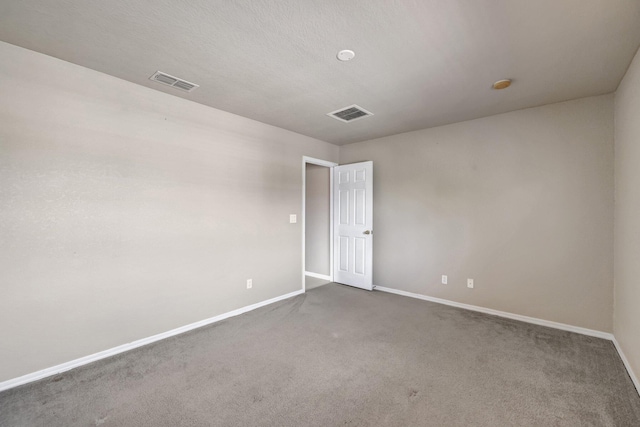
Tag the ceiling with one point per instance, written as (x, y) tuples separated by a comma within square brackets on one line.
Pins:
[(418, 64)]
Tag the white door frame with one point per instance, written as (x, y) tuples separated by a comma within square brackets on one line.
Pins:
[(329, 165)]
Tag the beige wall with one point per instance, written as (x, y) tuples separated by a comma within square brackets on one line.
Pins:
[(521, 202), (627, 219), (126, 212), (317, 219)]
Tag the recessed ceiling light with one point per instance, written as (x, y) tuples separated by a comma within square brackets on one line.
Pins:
[(502, 84), (346, 55)]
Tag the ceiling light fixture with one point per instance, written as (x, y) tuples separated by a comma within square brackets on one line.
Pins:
[(502, 84), (346, 55)]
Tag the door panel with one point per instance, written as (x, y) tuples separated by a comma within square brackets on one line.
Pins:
[(359, 202), (344, 207), (353, 234), (344, 254), (359, 256)]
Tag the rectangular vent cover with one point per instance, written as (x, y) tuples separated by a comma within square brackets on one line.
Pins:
[(168, 80), (350, 113)]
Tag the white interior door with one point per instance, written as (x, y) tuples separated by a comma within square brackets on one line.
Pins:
[(353, 224)]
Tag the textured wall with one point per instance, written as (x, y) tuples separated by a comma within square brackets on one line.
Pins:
[(126, 212), (627, 221), (521, 202), (317, 222)]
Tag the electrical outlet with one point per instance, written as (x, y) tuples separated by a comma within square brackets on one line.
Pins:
[(470, 283), (249, 283), (444, 279)]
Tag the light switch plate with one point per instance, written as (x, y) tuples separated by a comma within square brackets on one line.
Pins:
[(293, 218)]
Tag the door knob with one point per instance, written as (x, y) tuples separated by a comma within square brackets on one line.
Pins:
[(367, 232)]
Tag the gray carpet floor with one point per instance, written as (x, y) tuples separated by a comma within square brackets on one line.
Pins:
[(313, 282), (339, 356)]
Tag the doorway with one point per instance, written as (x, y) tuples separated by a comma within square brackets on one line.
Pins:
[(317, 219)]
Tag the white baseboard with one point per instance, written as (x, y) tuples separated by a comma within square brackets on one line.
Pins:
[(5, 385), (34, 376), (317, 275), (627, 365), (527, 319)]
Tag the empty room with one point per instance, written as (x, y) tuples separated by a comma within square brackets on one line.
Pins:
[(327, 213)]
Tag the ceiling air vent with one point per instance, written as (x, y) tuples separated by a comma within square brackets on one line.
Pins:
[(168, 80), (350, 113)]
